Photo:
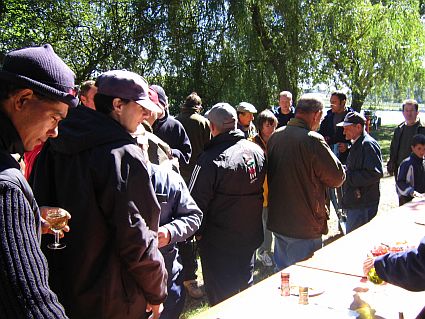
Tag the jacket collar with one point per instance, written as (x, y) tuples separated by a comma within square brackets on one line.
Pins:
[(298, 123), (10, 140), (227, 137)]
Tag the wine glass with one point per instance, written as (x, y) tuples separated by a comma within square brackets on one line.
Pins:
[(57, 219)]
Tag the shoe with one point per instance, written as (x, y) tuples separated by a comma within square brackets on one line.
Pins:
[(265, 259), (193, 289)]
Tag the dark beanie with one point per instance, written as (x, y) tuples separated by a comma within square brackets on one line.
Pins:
[(42, 70)]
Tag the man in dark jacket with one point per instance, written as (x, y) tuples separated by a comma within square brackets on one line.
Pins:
[(402, 138), (171, 131), (36, 89), (198, 130), (301, 167), (111, 266), (333, 134), (227, 186), (364, 171)]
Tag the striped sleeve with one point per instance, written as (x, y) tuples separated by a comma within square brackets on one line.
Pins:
[(24, 289), (405, 179)]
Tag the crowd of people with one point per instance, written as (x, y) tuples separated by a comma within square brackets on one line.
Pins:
[(147, 191)]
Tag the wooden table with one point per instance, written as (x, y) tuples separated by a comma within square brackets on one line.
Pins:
[(346, 255), (264, 300), (337, 271)]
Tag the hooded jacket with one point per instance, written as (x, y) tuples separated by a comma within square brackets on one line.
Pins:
[(227, 186), (24, 288), (111, 265)]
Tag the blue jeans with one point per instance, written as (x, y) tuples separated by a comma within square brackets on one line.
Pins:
[(268, 236), (357, 217), (288, 251)]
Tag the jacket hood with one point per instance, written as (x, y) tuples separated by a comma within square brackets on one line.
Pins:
[(85, 128), (226, 137)]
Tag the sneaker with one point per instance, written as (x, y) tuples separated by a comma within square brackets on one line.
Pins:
[(265, 259), (193, 289)]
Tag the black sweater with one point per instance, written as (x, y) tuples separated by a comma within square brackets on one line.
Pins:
[(24, 289)]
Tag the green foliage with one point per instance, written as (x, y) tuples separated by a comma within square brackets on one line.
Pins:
[(242, 50), (367, 45)]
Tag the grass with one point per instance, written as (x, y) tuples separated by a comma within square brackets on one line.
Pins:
[(194, 306), (384, 135)]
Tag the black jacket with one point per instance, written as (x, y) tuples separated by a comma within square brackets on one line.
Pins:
[(395, 157), (111, 265), (227, 185), (173, 133), (364, 170), (24, 288)]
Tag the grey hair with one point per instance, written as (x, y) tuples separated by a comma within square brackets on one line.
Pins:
[(309, 103)]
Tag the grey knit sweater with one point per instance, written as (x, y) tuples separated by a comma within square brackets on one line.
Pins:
[(24, 288)]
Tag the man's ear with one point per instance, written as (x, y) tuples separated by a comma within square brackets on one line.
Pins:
[(20, 97), (117, 104), (83, 99)]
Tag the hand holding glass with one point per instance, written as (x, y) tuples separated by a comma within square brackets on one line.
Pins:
[(57, 219)]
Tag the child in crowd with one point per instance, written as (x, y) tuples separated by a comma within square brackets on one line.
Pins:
[(411, 173)]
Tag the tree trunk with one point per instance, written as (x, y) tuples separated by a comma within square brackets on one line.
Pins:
[(358, 100)]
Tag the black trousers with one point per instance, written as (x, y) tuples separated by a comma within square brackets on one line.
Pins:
[(187, 252), (225, 272)]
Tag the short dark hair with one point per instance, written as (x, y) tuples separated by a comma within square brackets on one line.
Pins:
[(266, 116), (85, 87), (308, 103), (193, 100), (103, 103), (411, 101), (418, 139), (340, 95)]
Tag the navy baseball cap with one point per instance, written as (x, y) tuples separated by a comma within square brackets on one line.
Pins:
[(126, 85)]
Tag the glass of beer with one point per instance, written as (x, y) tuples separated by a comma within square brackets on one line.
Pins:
[(57, 219)]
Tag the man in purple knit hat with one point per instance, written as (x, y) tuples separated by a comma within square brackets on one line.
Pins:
[(36, 90)]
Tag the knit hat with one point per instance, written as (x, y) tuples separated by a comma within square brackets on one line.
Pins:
[(126, 85), (163, 98), (42, 70), (223, 115)]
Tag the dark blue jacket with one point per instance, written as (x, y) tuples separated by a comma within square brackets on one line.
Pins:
[(182, 218), (173, 133), (406, 270), (364, 170), (411, 176)]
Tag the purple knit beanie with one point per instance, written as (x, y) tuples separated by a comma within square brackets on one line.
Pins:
[(42, 70)]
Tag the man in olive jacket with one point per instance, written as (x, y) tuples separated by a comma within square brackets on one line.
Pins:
[(301, 166)]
